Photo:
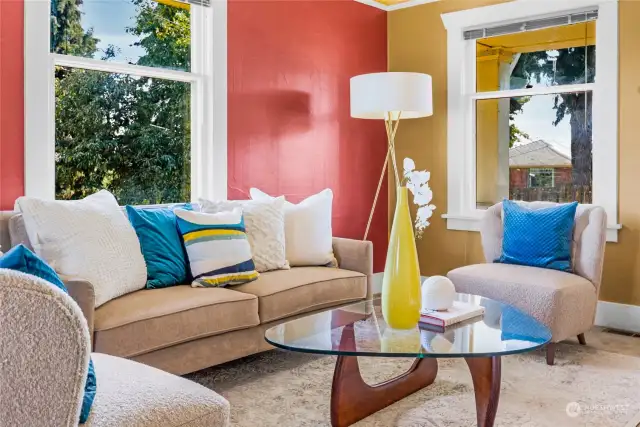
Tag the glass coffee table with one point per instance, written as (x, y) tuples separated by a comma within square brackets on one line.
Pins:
[(360, 330)]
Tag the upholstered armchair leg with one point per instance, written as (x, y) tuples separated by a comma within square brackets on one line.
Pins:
[(551, 353), (582, 340)]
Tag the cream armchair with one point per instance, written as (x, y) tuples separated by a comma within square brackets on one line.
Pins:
[(564, 302), (44, 355)]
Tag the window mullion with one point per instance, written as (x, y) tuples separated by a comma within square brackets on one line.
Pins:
[(121, 68), (549, 90)]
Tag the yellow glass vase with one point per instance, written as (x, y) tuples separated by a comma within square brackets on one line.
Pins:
[(401, 297)]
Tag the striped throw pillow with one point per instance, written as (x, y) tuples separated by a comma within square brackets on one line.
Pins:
[(217, 247)]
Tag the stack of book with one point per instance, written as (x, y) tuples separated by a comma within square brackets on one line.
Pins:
[(460, 312)]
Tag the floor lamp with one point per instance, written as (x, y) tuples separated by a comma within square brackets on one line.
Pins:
[(391, 97)]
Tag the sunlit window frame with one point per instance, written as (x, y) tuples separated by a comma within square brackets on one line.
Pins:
[(208, 79), (462, 212)]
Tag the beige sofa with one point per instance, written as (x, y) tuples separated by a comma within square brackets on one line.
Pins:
[(182, 329)]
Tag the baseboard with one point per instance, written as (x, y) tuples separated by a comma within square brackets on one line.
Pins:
[(618, 316), (377, 283)]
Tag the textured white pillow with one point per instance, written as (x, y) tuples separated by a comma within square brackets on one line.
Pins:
[(308, 234), (89, 238), (264, 221)]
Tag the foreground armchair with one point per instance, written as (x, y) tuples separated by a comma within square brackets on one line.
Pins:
[(564, 302), (44, 354)]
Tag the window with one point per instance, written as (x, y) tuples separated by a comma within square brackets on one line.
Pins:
[(541, 178), (129, 91), (533, 114)]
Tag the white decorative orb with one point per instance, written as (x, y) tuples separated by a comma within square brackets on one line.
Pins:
[(438, 293)]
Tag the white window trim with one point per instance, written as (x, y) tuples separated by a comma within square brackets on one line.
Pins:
[(208, 78), (461, 148)]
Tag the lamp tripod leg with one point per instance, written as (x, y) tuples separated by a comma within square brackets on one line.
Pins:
[(392, 127), (375, 199)]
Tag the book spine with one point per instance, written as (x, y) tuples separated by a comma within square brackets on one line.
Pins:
[(432, 320)]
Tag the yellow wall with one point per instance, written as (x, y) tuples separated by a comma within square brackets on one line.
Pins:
[(487, 166), (417, 42)]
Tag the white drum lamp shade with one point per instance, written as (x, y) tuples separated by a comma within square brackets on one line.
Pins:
[(375, 95)]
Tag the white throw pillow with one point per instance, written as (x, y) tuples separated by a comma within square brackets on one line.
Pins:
[(264, 221), (308, 234), (90, 239)]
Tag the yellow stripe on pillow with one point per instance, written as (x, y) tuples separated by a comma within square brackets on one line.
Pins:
[(226, 280), (213, 232)]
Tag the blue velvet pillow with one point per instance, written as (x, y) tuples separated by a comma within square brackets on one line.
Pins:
[(161, 244), (538, 238), (22, 259)]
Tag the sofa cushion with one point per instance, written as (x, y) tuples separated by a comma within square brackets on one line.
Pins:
[(150, 319), (133, 394), (562, 301), (284, 293)]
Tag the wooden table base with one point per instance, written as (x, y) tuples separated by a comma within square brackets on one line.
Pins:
[(485, 373), (352, 399)]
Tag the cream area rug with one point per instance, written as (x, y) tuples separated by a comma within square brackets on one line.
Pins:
[(586, 387)]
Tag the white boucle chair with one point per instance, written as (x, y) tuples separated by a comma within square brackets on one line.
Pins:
[(564, 302), (44, 356)]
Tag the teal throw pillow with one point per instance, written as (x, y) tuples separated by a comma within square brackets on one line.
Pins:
[(22, 259), (161, 245), (538, 238)]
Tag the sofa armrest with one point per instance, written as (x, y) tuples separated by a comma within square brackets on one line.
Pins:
[(355, 255), (83, 294), (44, 353)]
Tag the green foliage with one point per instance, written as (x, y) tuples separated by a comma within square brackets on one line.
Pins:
[(515, 107), (573, 65), (130, 135), (515, 134), (67, 35)]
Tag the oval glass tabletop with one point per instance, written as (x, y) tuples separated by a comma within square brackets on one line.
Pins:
[(360, 330)]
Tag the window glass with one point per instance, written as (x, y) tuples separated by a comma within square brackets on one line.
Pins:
[(534, 148), (129, 135), (541, 177), (142, 32), (549, 57)]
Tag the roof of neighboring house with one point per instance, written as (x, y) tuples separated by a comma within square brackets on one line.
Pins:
[(537, 154)]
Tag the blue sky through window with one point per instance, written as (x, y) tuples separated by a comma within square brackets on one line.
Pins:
[(110, 20)]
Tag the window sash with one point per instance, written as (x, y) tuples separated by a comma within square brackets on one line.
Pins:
[(122, 68), (550, 90), (462, 213), (208, 92)]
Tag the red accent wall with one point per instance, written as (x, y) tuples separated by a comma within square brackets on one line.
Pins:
[(11, 102), (290, 131), (289, 126)]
